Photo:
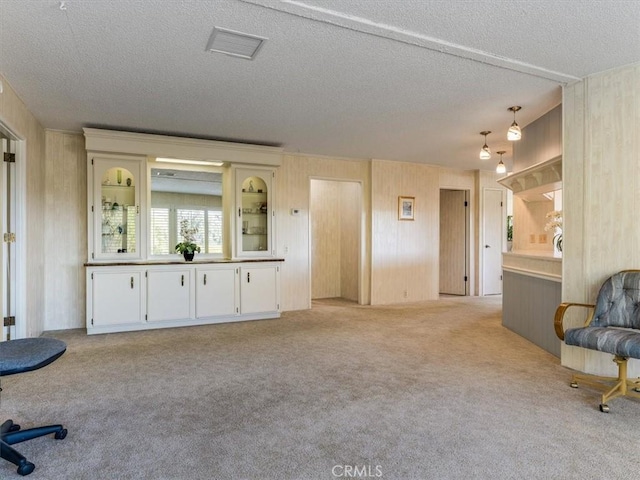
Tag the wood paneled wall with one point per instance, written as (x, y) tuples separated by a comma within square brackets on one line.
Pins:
[(404, 254), (529, 221), (541, 140), (66, 230), (17, 118), (350, 205), (325, 239), (601, 192)]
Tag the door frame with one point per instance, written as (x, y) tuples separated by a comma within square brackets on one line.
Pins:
[(361, 236), (19, 265), (467, 237)]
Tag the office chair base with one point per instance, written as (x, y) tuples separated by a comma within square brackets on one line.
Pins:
[(11, 433), (613, 387)]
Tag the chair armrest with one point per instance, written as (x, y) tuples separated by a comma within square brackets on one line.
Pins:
[(562, 308)]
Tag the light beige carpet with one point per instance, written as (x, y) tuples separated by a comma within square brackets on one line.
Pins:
[(435, 390)]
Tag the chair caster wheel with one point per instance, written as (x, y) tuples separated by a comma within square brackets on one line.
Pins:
[(573, 384), (61, 434), (26, 468), (604, 408), (14, 428)]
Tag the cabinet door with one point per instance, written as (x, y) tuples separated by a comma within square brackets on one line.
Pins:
[(216, 291), (259, 289), (115, 205), (168, 295), (254, 204), (116, 298)]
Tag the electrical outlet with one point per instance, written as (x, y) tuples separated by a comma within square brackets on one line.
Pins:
[(532, 238), (405, 294), (542, 238)]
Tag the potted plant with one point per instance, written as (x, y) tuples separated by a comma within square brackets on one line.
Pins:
[(187, 247)]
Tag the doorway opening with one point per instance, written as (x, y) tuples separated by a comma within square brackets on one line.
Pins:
[(454, 242), (335, 215)]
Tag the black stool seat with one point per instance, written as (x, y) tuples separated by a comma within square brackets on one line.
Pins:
[(20, 356)]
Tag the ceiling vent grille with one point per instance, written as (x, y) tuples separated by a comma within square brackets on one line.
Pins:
[(236, 44)]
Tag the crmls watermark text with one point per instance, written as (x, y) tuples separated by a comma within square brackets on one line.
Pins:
[(357, 471)]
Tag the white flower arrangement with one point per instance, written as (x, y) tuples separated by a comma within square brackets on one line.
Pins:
[(188, 234), (555, 224)]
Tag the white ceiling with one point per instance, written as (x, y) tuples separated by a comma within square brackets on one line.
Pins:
[(411, 80)]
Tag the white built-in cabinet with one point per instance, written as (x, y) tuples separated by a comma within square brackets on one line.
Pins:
[(254, 212), (128, 288), (160, 296)]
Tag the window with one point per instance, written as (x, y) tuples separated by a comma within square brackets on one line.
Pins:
[(214, 232), (160, 238), (166, 224)]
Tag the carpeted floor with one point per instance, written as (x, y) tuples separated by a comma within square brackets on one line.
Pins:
[(435, 390)]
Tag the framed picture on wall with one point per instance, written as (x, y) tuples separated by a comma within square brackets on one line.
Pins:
[(406, 208)]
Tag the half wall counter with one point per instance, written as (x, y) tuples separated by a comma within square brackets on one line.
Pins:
[(532, 287)]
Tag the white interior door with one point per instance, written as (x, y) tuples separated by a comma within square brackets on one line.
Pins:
[(492, 242)]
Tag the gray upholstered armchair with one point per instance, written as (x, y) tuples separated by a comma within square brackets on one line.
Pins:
[(612, 326)]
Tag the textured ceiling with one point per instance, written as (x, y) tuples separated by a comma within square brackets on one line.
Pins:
[(410, 80)]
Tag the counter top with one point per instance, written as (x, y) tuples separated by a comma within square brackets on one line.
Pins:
[(533, 263), (202, 261), (551, 256)]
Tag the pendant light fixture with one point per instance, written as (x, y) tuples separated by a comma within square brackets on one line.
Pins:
[(514, 132), (501, 168), (485, 152)]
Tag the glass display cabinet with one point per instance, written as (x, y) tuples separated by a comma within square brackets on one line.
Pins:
[(254, 233), (116, 208)]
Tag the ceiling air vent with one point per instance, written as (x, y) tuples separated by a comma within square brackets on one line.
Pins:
[(233, 43)]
